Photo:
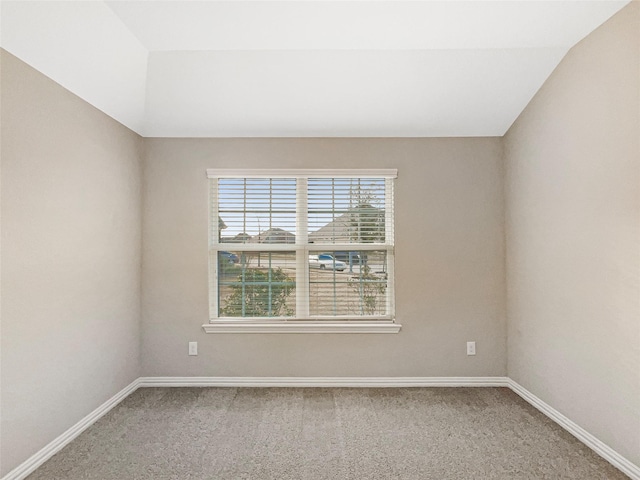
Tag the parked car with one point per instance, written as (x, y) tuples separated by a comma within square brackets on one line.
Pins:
[(347, 257), (229, 257), (325, 261)]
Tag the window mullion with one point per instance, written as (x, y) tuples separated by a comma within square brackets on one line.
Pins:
[(391, 307), (215, 216), (389, 238), (214, 228), (302, 249), (270, 204), (244, 209)]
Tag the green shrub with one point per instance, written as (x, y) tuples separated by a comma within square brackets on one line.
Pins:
[(259, 293)]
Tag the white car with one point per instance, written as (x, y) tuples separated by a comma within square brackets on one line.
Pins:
[(326, 261)]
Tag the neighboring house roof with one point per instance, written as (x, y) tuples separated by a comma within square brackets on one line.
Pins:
[(364, 223), (239, 238), (274, 235)]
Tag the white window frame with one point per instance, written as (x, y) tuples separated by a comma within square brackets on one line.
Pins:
[(302, 323)]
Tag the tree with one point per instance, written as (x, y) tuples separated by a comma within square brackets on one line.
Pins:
[(259, 294), (221, 226), (369, 288), (367, 225), (366, 218)]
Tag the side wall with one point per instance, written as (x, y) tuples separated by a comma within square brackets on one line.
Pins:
[(449, 261), (71, 242), (573, 237)]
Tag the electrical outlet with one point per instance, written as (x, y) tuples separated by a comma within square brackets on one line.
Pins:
[(471, 348), (193, 348)]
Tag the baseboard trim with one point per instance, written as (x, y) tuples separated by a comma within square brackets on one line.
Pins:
[(577, 431), (32, 463), (364, 382)]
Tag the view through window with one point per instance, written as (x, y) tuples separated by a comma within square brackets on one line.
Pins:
[(301, 245)]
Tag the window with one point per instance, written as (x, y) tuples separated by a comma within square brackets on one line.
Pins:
[(301, 251)]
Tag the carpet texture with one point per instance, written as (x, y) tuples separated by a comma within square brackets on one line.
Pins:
[(325, 433)]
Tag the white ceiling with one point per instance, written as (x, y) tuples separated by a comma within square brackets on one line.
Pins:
[(302, 68)]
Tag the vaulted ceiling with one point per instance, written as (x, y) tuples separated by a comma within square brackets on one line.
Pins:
[(302, 68)]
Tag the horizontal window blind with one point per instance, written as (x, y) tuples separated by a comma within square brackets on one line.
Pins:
[(301, 247), (257, 210), (347, 210), (353, 283)]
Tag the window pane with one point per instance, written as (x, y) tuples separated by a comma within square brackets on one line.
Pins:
[(257, 210), (256, 284), (346, 210), (348, 283)]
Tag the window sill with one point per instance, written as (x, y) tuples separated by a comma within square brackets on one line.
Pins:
[(300, 327)]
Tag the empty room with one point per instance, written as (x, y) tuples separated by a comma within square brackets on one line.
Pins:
[(319, 239)]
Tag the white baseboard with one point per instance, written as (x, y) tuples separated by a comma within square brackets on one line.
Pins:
[(29, 466), (577, 431), (613, 457), (323, 382)]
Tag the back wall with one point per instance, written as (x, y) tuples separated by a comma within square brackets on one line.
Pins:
[(449, 260)]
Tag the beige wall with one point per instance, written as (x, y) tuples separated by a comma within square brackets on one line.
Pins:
[(71, 235), (449, 260), (573, 231)]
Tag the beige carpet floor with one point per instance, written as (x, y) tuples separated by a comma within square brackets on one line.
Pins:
[(325, 433)]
